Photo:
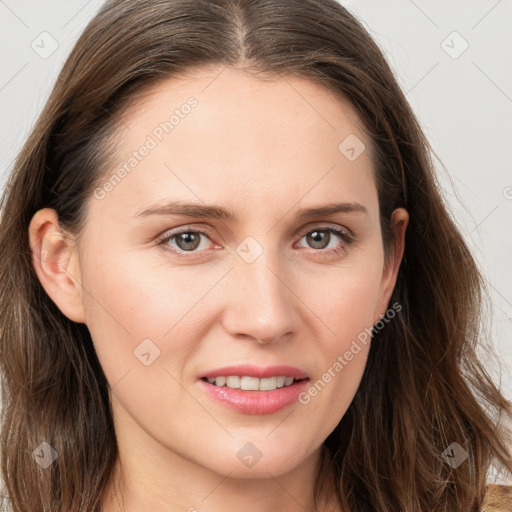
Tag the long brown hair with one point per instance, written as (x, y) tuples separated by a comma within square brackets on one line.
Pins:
[(424, 386)]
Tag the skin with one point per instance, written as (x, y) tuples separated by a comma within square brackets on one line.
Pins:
[(263, 150)]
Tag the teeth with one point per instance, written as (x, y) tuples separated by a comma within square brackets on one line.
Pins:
[(231, 382), (267, 384), (252, 383)]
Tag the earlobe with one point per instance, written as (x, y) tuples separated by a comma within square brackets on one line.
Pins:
[(55, 261), (399, 222)]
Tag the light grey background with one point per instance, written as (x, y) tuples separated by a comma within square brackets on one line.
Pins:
[(462, 98)]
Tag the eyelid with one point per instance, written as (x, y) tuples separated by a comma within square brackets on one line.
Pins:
[(169, 234), (326, 226), (205, 230), (346, 235)]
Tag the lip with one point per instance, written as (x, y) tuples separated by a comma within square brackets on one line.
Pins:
[(256, 371), (254, 402)]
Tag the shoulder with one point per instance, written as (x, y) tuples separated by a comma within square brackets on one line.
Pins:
[(498, 498)]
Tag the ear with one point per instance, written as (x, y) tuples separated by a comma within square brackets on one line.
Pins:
[(399, 221), (55, 261)]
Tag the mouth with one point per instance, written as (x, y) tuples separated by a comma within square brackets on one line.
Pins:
[(254, 390), (248, 383)]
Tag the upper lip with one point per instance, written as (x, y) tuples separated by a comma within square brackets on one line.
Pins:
[(256, 371)]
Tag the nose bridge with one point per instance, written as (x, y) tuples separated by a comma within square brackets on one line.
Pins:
[(261, 304)]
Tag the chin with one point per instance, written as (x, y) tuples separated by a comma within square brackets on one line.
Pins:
[(251, 462)]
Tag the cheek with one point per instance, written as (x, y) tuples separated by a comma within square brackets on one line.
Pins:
[(344, 299), (136, 307), (133, 298), (345, 303)]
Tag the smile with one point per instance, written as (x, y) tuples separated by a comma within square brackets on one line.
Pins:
[(248, 383)]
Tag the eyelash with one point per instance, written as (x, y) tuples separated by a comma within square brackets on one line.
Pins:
[(347, 238)]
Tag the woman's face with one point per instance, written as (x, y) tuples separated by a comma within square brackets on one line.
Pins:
[(253, 282)]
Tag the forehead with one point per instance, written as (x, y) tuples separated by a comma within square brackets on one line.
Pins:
[(224, 135), (243, 98)]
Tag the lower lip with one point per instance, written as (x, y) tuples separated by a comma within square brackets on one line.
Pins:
[(255, 402)]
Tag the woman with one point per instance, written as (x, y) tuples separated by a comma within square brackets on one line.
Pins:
[(230, 278)]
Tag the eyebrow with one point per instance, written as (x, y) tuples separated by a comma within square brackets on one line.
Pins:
[(218, 212)]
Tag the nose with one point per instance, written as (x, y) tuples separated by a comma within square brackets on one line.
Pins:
[(261, 304)]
